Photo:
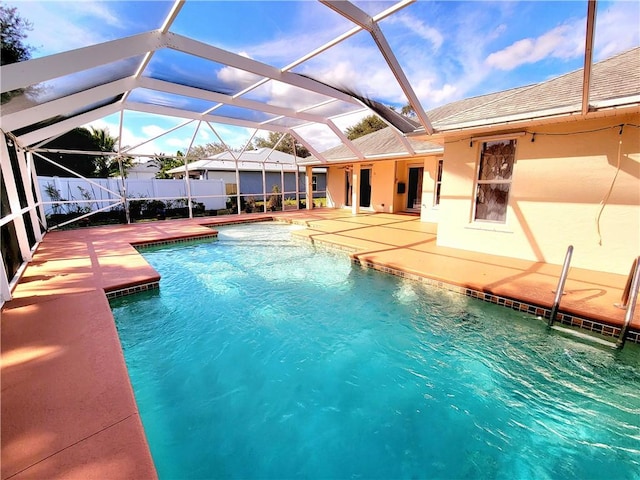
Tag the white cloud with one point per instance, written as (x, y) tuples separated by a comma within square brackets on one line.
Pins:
[(617, 29), (56, 30), (419, 28), (564, 42), (234, 76), (153, 130)]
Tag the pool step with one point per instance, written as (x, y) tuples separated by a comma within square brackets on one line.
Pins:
[(584, 336)]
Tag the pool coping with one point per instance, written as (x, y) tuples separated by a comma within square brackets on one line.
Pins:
[(562, 317)]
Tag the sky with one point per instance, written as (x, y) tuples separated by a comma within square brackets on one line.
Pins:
[(448, 50)]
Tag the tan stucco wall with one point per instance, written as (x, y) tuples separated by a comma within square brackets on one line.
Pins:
[(382, 186), (559, 181), (335, 187), (429, 212), (385, 176)]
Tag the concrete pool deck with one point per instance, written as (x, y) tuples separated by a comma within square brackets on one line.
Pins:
[(68, 410)]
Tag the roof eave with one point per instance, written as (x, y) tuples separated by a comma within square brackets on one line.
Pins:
[(566, 113)]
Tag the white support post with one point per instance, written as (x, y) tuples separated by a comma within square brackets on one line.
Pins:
[(264, 188), (355, 189), (34, 179), (186, 170), (239, 199), (308, 186), (125, 200), (31, 203), (5, 289), (14, 201), (297, 188), (282, 185)]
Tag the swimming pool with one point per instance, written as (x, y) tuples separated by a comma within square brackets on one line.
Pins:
[(262, 358)]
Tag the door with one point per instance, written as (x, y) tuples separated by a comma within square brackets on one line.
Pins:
[(365, 187), (414, 189), (348, 188)]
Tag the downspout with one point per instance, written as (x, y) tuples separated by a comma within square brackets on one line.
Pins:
[(588, 55)]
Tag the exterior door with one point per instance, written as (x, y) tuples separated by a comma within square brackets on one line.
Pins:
[(414, 189), (365, 187), (348, 188)]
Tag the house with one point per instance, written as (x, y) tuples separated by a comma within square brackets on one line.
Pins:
[(143, 170), (279, 169), (524, 172)]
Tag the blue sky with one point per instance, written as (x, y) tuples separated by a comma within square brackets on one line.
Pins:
[(449, 50)]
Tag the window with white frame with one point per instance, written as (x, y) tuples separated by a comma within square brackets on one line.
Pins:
[(314, 183), (436, 200), (495, 173)]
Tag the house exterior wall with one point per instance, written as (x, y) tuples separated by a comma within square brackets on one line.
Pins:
[(335, 187), (382, 185), (251, 182), (559, 182), (385, 176), (429, 211)]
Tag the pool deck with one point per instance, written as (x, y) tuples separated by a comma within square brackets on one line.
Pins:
[(68, 410)]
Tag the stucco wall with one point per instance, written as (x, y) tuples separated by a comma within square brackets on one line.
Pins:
[(559, 182), (335, 187), (382, 186), (385, 176)]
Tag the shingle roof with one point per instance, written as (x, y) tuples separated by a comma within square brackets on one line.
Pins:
[(381, 142), (617, 77)]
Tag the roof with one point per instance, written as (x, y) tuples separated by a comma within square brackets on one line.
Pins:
[(614, 82), (383, 143), (249, 160)]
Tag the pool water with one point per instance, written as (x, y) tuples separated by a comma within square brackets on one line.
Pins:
[(262, 358)]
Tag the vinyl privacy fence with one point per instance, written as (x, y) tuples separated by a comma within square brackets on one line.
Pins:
[(66, 195)]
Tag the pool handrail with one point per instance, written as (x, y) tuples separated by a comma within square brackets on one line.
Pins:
[(629, 298), (561, 282)]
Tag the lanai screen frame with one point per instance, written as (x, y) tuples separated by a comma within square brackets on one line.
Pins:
[(24, 213)]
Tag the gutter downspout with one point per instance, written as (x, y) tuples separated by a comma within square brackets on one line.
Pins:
[(588, 55)]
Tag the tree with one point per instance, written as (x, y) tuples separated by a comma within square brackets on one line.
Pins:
[(13, 30), (83, 164), (205, 151), (165, 164), (408, 111), (367, 125), (286, 145), (107, 166), (12, 35)]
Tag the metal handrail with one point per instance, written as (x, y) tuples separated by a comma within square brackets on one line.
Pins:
[(631, 292), (560, 289), (624, 301)]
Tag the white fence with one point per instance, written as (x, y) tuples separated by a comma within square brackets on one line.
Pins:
[(72, 193)]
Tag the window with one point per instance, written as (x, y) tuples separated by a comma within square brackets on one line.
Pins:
[(438, 183), (494, 180), (314, 183)]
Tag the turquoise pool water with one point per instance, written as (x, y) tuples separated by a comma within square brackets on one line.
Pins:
[(261, 358)]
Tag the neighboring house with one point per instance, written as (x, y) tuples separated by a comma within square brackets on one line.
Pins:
[(523, 173), (143, 170), (279, 170)]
